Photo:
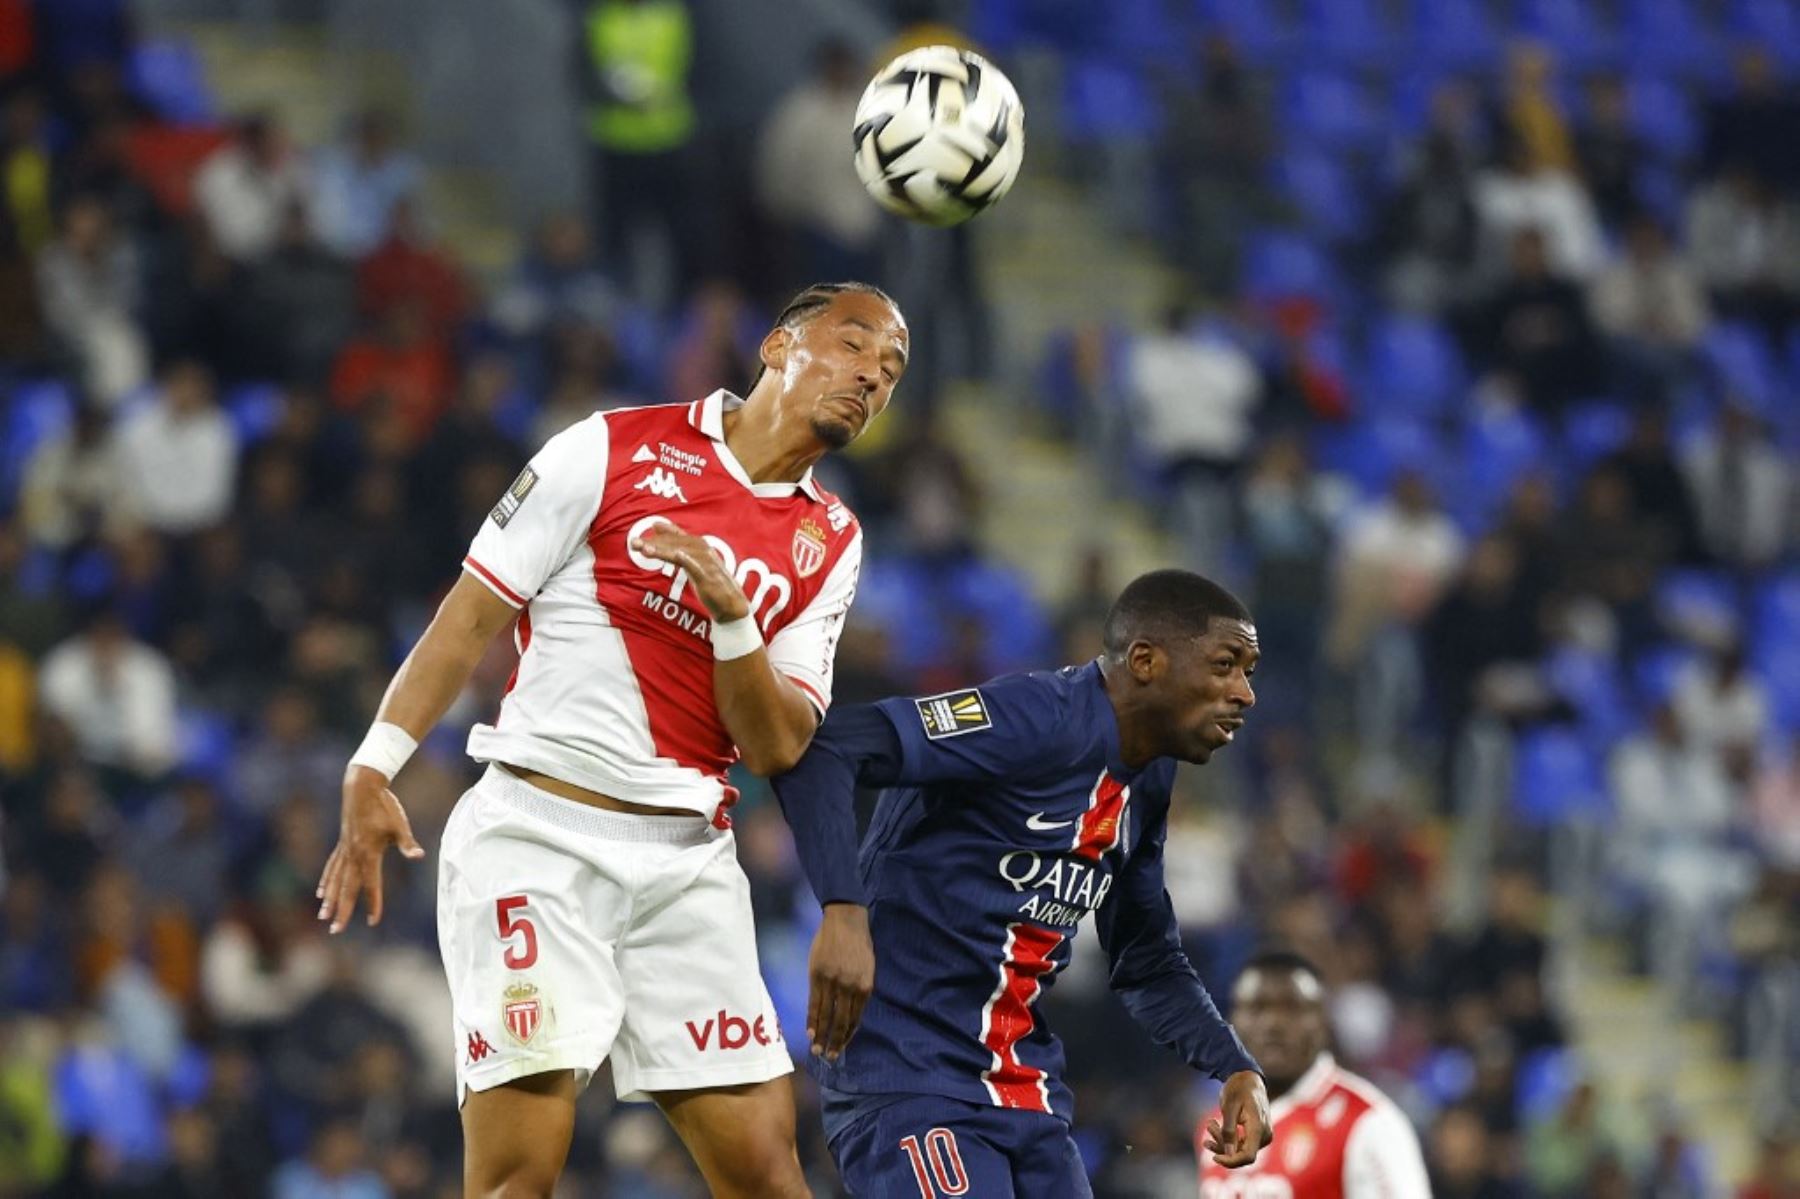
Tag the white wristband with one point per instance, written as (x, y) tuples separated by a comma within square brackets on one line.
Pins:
[(736, 639), (385, 750)]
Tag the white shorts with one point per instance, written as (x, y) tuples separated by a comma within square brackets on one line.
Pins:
[(571, 934)]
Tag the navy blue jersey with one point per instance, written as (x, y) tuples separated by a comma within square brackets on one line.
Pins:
[(1009, 816)]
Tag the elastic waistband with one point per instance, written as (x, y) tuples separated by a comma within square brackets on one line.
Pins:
[(590, 821)]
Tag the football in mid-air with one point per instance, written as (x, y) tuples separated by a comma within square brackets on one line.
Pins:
[(939, 135)]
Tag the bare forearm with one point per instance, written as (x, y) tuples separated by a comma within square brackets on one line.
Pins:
[(439, 666), (769, 718)]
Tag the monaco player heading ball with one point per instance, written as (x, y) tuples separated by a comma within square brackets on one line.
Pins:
[(676, 581)]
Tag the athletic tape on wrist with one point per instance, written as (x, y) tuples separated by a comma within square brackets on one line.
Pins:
[(736, 638), (385, 750)]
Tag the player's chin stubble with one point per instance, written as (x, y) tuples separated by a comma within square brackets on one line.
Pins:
[(836, 434)]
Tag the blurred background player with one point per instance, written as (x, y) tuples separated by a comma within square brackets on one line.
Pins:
[(1014, 810), (1336, 1135), (590, 904)]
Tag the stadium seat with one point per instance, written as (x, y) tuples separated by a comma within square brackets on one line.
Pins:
[(1778, 665), (169, 76), (1701, 600), (1667, 35), (1656, 670), (1543, 1082), (1572, 29), (1772, 24), (1282, 265), (1556, 777), (1145, 31), (1663, 116), (35, 412), (1593, 430), (255, 410), (1777, 609), (1591, 684), (1104, 101), (1328, 108), (1371, 452), (1351, 33), (1744, 364), (1455, 33), (1321, 188), (1254, 26), (1412, 367), (1500, 447)]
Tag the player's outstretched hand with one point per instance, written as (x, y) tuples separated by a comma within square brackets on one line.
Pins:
[(669, 542), (1244, 1127), (372, 821), (843, 975)]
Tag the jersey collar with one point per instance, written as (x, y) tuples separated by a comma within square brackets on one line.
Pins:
[(1310, 1087), (708, 416)]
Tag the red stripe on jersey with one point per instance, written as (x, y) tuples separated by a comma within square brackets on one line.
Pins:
[(807, 688), (521, 642), (1104, 821), (506, 593), (1008, 1017)]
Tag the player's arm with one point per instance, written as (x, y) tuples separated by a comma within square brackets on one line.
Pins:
[(1152, 976), (427, 683), (763, 702), (529, 533), (1382, 1159)]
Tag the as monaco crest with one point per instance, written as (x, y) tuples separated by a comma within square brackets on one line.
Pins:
[(523, 1012), (809, 548)]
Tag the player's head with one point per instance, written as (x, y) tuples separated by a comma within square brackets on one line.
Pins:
[(1278, 1008), (1179, 653), (836, 351)]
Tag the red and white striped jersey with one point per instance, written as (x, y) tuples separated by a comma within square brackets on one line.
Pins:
[(614, 687), (1336, 1137)]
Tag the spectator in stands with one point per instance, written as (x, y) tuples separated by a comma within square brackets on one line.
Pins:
[(1745, 241), (201, 308), (409, 269), (299, 307), (808, 185), (1428, 228), (178, 455), (1724, 709), (1743, 487), (1777, 1170), (287, 756), (27, 169), (1460, 1156), (117, 696), (246, 189), (1287, 515), (1528, 111), (358, 182), (1608, 552), (401, 373), (182, 853), (1528, 192), (1775, 806), (1534, 326), (1651, 306), (1210, 157), (333, 1169), (1658, 491), (1483, 635), (73, 488), (718, 347), (1194, 392), (559, 281), (1564, 1149), (90, 290), (1610, 151), (1751, 126)]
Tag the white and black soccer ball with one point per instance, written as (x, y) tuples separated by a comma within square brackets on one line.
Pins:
[(939, 135)]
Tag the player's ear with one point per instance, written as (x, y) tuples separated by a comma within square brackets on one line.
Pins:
[(1145, 661), (775, 348)]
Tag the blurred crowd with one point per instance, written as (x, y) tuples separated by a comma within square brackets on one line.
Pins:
[(1496, 447)]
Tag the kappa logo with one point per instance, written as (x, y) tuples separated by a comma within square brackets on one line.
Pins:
[(953, 713), (478, 1048), (514, 497), (660, 482)]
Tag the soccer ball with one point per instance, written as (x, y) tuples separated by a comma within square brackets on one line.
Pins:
[(939, 135)]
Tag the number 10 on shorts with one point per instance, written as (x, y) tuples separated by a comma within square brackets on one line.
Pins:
[(937, 1165)]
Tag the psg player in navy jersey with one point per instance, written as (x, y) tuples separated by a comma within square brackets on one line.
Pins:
[(1011, 811)]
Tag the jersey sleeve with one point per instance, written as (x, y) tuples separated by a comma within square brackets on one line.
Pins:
[(1015, 726), (543, 516), (1151, 973), (1382, 1159), (805, 649)]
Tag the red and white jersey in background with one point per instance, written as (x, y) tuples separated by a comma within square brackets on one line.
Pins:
[(1336, 1137), (614, 688)]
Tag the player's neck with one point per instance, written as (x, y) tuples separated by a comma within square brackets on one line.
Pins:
[(1136, 748), (768, 452)]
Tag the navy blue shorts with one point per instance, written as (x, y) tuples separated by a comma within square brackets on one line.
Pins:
[(927, 1147)]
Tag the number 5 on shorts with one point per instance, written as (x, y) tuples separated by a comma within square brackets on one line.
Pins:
[(518, 957), (939, 1163)]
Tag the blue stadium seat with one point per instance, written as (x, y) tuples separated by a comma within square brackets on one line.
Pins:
[(1662, 191), (1146, 31), (1591, 684), (1412, 367), (1668, 35), (1774, 24), (1252, 25), (1330, 109), (1744, 363), (1279, 265), (1572, 29), (1593, 430), (256, 410), (1556, 777), (35, 412), (1777, 610), (1499, 449), (1663, 116), (1543, 1082), (1371, 452), (1654, 673), (1104, 101), (1778, 666), (1320, 187), (1455, 33), (169, 76), (1689, 597), (1353, 33)]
